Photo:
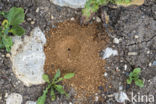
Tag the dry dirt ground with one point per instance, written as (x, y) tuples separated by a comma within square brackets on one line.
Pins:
[(135, 27)]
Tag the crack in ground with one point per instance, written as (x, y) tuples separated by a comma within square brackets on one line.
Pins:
[(142, 41)]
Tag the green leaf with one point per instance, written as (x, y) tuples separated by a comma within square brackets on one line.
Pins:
[(60, 79), (137, 71), (15, 16), (69, 75), (60, 89), (46, 78), (52, 93), (17, 30), (4, 14), (42, 99), (7, 41), (139, 83), (1, 45), (57, 75), (129, 81)]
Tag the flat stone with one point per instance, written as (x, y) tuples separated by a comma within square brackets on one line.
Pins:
[(28, 57), (30, 102), (70, 3), (132, 53), (14, 98)]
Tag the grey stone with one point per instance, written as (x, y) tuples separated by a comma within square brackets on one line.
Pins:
[(154, 63), (14, 98), (28, 57), (70, 3)]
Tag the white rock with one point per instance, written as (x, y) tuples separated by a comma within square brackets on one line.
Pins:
[(136, 36), (96, 98), (32, 22), (109, 52), (37, 10), (132, 53), (8, 55), (28, 57), (72, 19), (98, 19), (116, 41), (150, 64), (105, 74), (14, 98), (30, 102), (6, 95), (70, 3), (125, 67), (121, 97)]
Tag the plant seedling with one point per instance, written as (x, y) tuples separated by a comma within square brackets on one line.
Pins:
[(11, 24), (92, 6), (54, 86), (134, 76)]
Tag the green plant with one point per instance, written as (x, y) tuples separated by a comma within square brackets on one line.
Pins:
[(54, 86), (11, 24), (92, 6), (134, 76)]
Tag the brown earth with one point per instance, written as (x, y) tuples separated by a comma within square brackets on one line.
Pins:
[(74, 48)]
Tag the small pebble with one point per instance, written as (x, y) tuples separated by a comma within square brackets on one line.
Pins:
[(72, 19), (3, 55), (117, 69), (148, 52), (125, 67), (150, 64), (32, 22), (93, 18), (136, 36), (116, 41), (37, 10), (52, 17), (7, 55), (6, 95), (96, 98), (105, 74), (98, 19), (132, 53), (29, 19)]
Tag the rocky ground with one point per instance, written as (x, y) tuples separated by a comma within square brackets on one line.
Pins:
[(132, 31)]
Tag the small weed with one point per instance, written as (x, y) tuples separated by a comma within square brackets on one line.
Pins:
[(92, 7), (134, 76), (11, 24), (54, 86)]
